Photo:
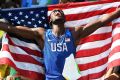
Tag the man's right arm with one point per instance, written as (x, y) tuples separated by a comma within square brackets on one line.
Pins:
[(25, 32)]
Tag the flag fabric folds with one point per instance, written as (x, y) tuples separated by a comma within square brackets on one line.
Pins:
[(94, 54), (23, 56)]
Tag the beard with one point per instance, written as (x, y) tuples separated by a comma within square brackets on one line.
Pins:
[(58, 21)]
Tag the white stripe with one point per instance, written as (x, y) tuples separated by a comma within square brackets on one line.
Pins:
[(116, 20), (94, 70), (22, 65), (89, 8), (24, 44), (20, 43), (90, 59), (104, 29), (18, 50), (115, 44), (81, 21), (116, 31), (94, 44), (114, 57)]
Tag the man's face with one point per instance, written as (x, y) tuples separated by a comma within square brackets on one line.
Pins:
[(57, 16)]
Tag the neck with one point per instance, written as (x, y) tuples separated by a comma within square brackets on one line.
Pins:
[(58, 29)]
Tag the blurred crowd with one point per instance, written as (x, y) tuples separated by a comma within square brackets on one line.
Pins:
[(18, 3)]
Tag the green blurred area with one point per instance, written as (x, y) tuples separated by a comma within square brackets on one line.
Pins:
[(1, 33), (6, 70)]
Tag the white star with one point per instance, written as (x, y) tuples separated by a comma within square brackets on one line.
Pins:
[(35, 25), (18, 22), (9, 14), (31, 12), (20, 13), (26, 16), (16, 17), (22, 20), (42, 11), (39, 22), (33, 19), (45, 25), (43, 17), (29, 22), (37, 15), (12, 19)]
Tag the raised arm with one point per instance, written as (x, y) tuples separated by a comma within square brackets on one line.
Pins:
[(81, 32), (25, 32)]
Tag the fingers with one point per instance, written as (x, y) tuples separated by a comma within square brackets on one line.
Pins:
[(13, 78)]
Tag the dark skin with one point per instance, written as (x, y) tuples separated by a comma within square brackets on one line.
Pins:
[(58, 28)]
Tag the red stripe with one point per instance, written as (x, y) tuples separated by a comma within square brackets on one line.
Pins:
[(116, 25), (21, 57), (90, 65), (93, 75), (115, 50), (95, 37), (94, 51), (116, 37), (28, 50), (85, 15), (30, 74), (114, 63), (74, 5)]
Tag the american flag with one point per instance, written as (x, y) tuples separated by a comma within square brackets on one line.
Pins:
[(94, 54), (31, 17)]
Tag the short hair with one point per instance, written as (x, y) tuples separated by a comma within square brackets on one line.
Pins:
[(50, 22)]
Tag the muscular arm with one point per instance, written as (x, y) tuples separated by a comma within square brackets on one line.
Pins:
[(25, 32), (81, 32)]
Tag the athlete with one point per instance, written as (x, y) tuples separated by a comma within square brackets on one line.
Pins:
[(58, 43)]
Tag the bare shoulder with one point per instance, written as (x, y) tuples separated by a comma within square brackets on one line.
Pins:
[(76, 31), (39, 30)]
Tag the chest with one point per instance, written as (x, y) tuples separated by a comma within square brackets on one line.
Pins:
[(59, 44)]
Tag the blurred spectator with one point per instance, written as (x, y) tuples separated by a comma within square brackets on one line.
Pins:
[(108, 0), (33, 3), (9, 4), (48, 2), (52, 2), (64, 1), (80, 0)]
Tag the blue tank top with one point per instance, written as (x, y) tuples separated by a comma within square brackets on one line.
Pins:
[(56, 49)]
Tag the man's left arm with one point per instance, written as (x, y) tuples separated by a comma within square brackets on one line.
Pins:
[(81, 32)]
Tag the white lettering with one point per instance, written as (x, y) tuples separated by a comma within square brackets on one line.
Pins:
[(58, 47), (65, 47), (53, 47)]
